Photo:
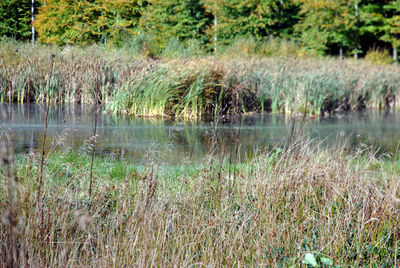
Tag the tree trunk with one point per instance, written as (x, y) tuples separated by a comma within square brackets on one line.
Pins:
[(395, 54), (341, 53), (33, 19)]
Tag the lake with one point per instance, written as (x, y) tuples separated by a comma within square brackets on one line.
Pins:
[(170, 142)]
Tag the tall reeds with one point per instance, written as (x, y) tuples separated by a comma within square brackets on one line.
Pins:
[(193, 87), (12, 248)]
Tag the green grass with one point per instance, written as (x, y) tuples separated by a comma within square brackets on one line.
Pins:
[(193, 85), (272, 210)]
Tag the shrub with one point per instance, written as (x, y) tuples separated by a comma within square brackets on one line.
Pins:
[(378, 56), (242, 47), (143, 45)]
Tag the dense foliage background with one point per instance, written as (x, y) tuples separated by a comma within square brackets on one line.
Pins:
[(324, 27)]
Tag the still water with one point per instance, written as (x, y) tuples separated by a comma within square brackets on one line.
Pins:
[(170, 142)]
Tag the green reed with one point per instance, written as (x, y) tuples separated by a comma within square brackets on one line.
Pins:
[(193, 87), (270, 211)]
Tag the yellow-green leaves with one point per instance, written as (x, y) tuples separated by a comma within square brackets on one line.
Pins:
[(84, 22)]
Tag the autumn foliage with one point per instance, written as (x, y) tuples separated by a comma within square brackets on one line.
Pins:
[(352, 27)]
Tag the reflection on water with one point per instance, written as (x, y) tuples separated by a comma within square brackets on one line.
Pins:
[(171, 142)]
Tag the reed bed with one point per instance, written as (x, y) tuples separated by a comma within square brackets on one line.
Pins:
[(285, 207), (193, 87)]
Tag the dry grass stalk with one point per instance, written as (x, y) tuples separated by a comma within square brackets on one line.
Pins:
[(194, 87), (284, 205), (42, 165), (12, 250), (93, 145)]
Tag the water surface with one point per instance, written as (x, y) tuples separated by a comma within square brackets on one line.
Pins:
[(169, 142)]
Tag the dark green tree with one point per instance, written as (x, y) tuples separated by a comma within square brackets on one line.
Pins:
[(381, 22), (391, 26), (255, 18), (183, 20), (15, 19), (372, 17), (329, 23)]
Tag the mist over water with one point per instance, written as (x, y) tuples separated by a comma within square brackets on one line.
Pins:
[(170, 142)]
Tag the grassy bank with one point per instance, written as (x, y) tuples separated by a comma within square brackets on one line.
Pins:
[(343, 209), (194, 86)]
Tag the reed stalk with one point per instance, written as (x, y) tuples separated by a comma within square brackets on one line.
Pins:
[(194, 87), (12, 250), (284, 204), (93, 147)]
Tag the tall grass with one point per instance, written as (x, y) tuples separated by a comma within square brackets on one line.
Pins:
[(271, 211), (246, 47), (192, 86)]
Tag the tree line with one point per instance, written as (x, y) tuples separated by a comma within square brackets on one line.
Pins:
[(336, 27)]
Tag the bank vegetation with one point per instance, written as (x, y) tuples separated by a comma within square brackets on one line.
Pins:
[(192, 86)]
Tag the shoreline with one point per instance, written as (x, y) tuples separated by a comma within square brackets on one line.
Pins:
[(195, 87), (276, 209)]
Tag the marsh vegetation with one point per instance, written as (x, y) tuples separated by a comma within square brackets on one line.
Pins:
[(72, 198), (193, 87), (292, 203), (273, 210)]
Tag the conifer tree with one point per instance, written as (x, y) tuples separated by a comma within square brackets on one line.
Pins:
[(391, 26), (381, 19), (15, 19), (372, 16)]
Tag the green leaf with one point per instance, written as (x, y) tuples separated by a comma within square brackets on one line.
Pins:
[(326, 261), (309, 259)]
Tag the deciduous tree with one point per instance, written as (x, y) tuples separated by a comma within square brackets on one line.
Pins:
[(254, 18), (166, 19), (84, 22), (328, 23)]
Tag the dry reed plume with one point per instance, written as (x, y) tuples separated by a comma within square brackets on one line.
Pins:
[(281, 206), (192, 87)]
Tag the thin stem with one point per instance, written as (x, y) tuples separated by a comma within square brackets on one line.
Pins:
[(43, 153), (93, 152)]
